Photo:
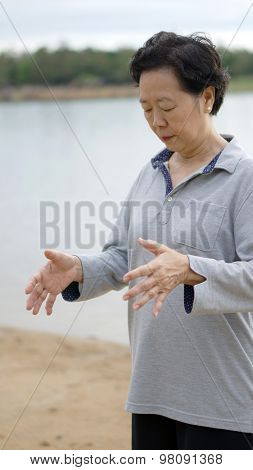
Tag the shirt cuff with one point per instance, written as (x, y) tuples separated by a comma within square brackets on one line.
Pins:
[(203, 292), (71, 292), (188, 297)]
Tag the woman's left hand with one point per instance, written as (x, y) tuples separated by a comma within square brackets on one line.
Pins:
[(165, 272)]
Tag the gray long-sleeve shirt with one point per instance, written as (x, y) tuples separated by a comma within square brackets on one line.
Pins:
[(194, 367)]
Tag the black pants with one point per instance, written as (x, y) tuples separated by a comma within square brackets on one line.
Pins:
[(150, 432)]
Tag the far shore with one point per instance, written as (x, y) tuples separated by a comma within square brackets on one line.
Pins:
[(68, 92), (42, 93)]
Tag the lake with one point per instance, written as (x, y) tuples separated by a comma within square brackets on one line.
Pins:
[(70, 161)]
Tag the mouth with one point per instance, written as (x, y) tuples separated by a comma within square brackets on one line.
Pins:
[(167, 138)]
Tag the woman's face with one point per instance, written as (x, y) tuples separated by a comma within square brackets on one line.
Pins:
[(174, 113)]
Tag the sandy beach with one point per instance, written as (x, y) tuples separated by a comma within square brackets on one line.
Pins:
[(70, 92), (61, 92), (63, 396)]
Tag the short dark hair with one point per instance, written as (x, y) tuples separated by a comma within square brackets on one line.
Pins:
[(194, 59)]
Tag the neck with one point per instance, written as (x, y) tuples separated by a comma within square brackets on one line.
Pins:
[(201, 152)]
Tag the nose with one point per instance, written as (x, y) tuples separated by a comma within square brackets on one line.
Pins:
[(159, 120)]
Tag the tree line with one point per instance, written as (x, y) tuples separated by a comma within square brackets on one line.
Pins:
[(91, 67)]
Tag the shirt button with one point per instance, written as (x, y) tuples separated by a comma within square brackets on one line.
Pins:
[(169, 198)]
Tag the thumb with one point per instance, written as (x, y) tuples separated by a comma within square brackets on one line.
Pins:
[(52, 255), (153, 246)]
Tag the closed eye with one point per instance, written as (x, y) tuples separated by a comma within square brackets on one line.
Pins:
[(148, 110)]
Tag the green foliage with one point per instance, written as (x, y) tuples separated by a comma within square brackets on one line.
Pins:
[(7, 69), (238, 61), (91, 67)]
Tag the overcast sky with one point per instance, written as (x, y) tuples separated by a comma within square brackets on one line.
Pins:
[(109, 24)]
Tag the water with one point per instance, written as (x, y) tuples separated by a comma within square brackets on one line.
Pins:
[(42, 160)]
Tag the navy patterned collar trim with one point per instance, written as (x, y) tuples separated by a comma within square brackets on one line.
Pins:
[(162, 157), (165, 154)]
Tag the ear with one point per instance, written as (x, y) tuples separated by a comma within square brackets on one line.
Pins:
[(208, 97)]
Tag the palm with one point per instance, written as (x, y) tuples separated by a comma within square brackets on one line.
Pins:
[(50, 280), (56, 275)]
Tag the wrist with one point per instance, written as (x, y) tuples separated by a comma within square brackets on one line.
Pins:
[(186, 270), (191, 277), (78, 277)]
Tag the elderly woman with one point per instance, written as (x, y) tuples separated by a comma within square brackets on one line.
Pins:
[(183, 242)]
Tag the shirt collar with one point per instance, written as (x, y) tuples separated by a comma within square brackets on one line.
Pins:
[(228, 158), (230, 155)]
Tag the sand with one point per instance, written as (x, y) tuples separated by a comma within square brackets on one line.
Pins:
[(32, 92), (70, 92), (70, 399)]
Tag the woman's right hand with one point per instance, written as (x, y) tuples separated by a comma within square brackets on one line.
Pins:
[(52, 279)]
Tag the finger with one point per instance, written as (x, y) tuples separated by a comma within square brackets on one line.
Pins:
[(50, 303), (33, 297), (38, 303), (146, 297), (153, 246), (140, 287), (159, 302), (53, 255), (144, 270), (32, 283)]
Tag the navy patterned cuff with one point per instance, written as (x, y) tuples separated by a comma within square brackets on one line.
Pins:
[(188, 298), (71, 292)]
